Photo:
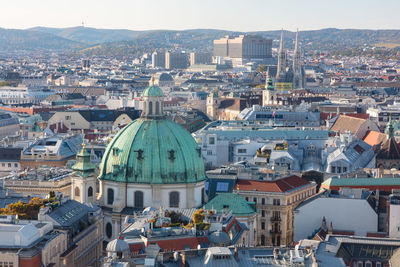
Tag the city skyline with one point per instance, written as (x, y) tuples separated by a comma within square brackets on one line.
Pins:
[(226, 15)]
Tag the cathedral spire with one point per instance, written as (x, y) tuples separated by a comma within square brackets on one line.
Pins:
[(298, 73), (281, 69)]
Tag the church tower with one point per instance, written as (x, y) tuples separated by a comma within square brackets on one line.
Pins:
[(212, 105), (269, 94), (83, 187), (298, 72), (389, 129), (282, 61)]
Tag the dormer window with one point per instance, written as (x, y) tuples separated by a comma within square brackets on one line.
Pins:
[(171, 154), (139, 154), (115, 151)]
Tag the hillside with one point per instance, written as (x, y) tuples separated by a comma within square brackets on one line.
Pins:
[(128, 42), (90, 35), (12, 40)]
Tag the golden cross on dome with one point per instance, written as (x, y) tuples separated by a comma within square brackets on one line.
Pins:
[(83, 141), (152, 78)]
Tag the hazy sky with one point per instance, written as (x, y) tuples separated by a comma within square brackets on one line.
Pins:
[(240, 15)]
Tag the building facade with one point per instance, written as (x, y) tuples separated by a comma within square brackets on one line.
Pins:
[(275, 201)]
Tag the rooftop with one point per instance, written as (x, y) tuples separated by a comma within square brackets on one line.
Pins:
[(280, 185)]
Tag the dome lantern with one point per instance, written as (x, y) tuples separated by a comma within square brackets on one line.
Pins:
[(153, 98)]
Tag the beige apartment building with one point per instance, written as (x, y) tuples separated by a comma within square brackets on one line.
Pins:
[(275, 201)]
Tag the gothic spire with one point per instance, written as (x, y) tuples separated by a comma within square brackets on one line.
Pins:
[(281, 43)]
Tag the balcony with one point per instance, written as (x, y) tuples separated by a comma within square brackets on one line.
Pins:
[(276, 219)]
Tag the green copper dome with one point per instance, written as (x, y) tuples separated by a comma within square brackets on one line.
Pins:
[(153, 91), (153, 151)]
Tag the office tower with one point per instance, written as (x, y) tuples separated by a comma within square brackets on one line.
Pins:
[(244, 47), (200, 58), (158, 59), (176, 60)]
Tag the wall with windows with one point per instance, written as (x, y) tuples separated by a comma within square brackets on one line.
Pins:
[(346, 214), (8, 166)]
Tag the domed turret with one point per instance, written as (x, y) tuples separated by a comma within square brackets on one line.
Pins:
[(117, 248)]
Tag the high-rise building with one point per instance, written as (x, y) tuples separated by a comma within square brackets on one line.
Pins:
[(176, 60), (244, 46), (200, 58), (158, 59)]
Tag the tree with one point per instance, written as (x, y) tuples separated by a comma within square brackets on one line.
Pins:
[(261, 68), (198, 216)]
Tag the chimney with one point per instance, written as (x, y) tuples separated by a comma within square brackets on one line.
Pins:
[(236, 253), (183, 262)]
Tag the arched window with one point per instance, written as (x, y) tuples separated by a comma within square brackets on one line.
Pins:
[(110, 196), (202, 196), (138, 199), (90, 192), (150, 108), (263, 240), (157, 108), (109, 230), (144, 106), (174, 199), (77, 192)]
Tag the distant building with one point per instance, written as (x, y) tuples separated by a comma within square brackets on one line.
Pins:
[(222, 142), (84, 225), (10, 159), (349, 210), (244, 47), (280, 117), (388, 153), (164, 80), (275, 201), (54, 151), (197, 58), (40, 181), (393, 222), (242, 209), (9, 126), (30, 243), (23, 95), (288, 78), (100, 120), (359, 127), (158, 59), (176, 60)]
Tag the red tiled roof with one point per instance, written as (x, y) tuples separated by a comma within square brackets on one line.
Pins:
[(347, 123), (342, 232), (374, 138), (180, 243), (326, 115), (376, 234), (281, 185)]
